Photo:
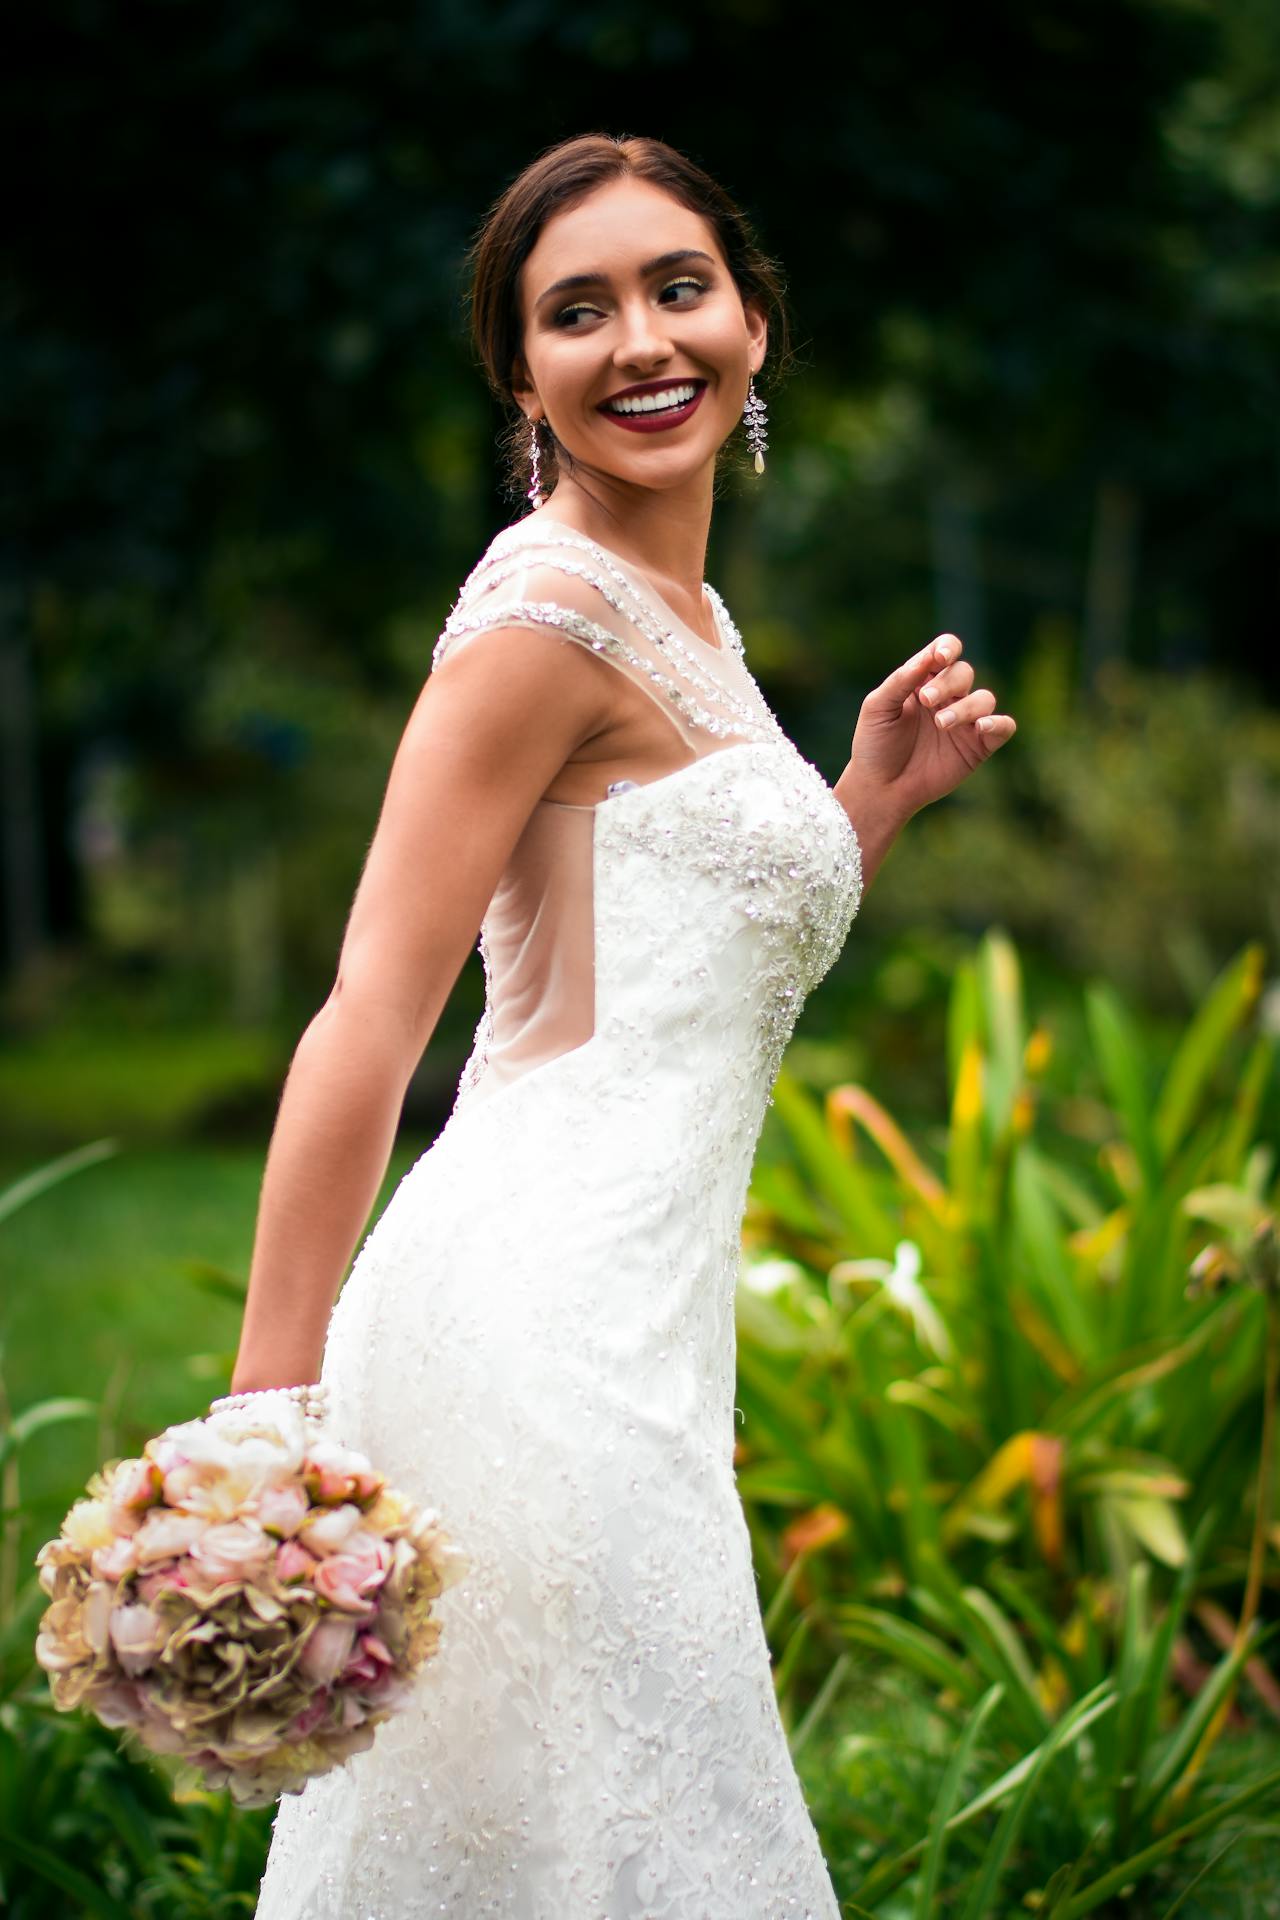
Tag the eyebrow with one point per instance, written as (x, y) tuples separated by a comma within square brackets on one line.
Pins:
[(602, 279)]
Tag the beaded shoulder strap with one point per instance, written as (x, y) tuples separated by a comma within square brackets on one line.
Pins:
[(703, 697)]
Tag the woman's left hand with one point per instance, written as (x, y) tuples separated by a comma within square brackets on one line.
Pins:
[(924, 729)]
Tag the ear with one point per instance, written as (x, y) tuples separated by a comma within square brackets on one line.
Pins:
[(522, 386), (757, 330)]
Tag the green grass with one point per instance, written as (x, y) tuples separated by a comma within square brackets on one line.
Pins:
[(872, 1773), (73, 1083), (105, 1296)]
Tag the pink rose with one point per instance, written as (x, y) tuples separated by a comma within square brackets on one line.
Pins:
[(310, 1717), (119, 1705), (136, 1485), (137, 1634), (369, 1662), (158, 1581), (335, 1473), (282, 1509), (349, 1578), (293, 1561), (165, 1452), (327, 1650), (236, 1550), (348, 1581), (116, 1559), (371, 1671)]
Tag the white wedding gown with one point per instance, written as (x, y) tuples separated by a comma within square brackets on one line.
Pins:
[(537, 1338)]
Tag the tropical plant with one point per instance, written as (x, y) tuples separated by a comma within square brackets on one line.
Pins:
[(995, 1397)]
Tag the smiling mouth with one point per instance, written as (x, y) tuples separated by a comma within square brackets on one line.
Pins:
[(651, 412)]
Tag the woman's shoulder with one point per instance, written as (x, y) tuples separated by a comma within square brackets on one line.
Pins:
[(535, 573)]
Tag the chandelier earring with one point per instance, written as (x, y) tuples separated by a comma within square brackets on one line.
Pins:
[(756, 418), (535, 451)]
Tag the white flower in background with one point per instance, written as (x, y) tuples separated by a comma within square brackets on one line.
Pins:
[(901, 1278), (770, 1276)]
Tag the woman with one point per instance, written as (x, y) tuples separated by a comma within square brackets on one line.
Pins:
[(537, 1337)]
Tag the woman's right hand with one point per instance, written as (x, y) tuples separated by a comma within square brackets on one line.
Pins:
[(924, 730)]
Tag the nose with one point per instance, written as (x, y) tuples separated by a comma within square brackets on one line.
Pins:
[(643, 340)]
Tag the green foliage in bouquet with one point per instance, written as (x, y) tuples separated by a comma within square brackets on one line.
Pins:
[(998, 1397)]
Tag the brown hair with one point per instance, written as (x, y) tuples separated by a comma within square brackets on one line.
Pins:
[(560, 177)]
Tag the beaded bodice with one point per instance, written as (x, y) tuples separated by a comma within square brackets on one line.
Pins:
[(718, 894)]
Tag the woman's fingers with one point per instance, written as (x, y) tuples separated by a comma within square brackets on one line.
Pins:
[(971, 707), (911, 675), (943, 683), (946, 686)]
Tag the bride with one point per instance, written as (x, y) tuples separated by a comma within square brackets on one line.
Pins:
[(537, 1336)]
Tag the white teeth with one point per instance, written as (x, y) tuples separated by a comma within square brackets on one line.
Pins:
[(653, 402)]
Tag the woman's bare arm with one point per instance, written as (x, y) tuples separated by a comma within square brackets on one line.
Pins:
[(492, 727)]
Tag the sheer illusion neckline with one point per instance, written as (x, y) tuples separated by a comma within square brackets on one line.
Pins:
[(547, 520)]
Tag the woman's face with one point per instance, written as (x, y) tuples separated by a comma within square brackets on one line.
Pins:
[(653, 305)]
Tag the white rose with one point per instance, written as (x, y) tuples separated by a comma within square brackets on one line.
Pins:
[(164, 1535), (235, 1551), (329, 1534)]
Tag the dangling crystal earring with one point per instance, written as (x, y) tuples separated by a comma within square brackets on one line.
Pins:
[(535, 490), (755, 416)]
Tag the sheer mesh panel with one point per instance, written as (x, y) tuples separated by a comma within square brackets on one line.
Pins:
[(538, 936)]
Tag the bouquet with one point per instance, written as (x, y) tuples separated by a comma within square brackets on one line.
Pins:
[(249, 1595)]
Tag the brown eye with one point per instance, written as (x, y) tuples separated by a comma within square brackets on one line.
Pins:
[(699, 286), (581, 307)]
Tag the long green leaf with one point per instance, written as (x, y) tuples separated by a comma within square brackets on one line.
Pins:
[(996, 1648), (1001, 980), (1040, 1233), (822, 1702), (845, 1185), (93, 1898), (1134, 1644), (1204, 1872), (1118, 1047), (33, 1184), (923, 1652), (1128, 1871), (45, 1413), (964, 1021), (1083, 1407), (1228, 1002), (1187, 1736), (1152, 1683), (1245, 1103), (1075, 1721), (997, 1854), (1079, 1718), (945, 1804), (1009, 1588)]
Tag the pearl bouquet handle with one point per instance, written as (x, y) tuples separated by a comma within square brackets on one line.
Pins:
[(312, 1398)]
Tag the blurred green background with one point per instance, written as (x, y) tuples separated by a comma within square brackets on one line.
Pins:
[(1032, 257)]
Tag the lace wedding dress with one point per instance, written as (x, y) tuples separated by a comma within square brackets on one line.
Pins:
[(537, 1337)]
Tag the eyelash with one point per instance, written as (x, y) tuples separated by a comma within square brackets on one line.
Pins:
[(582, 306)]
